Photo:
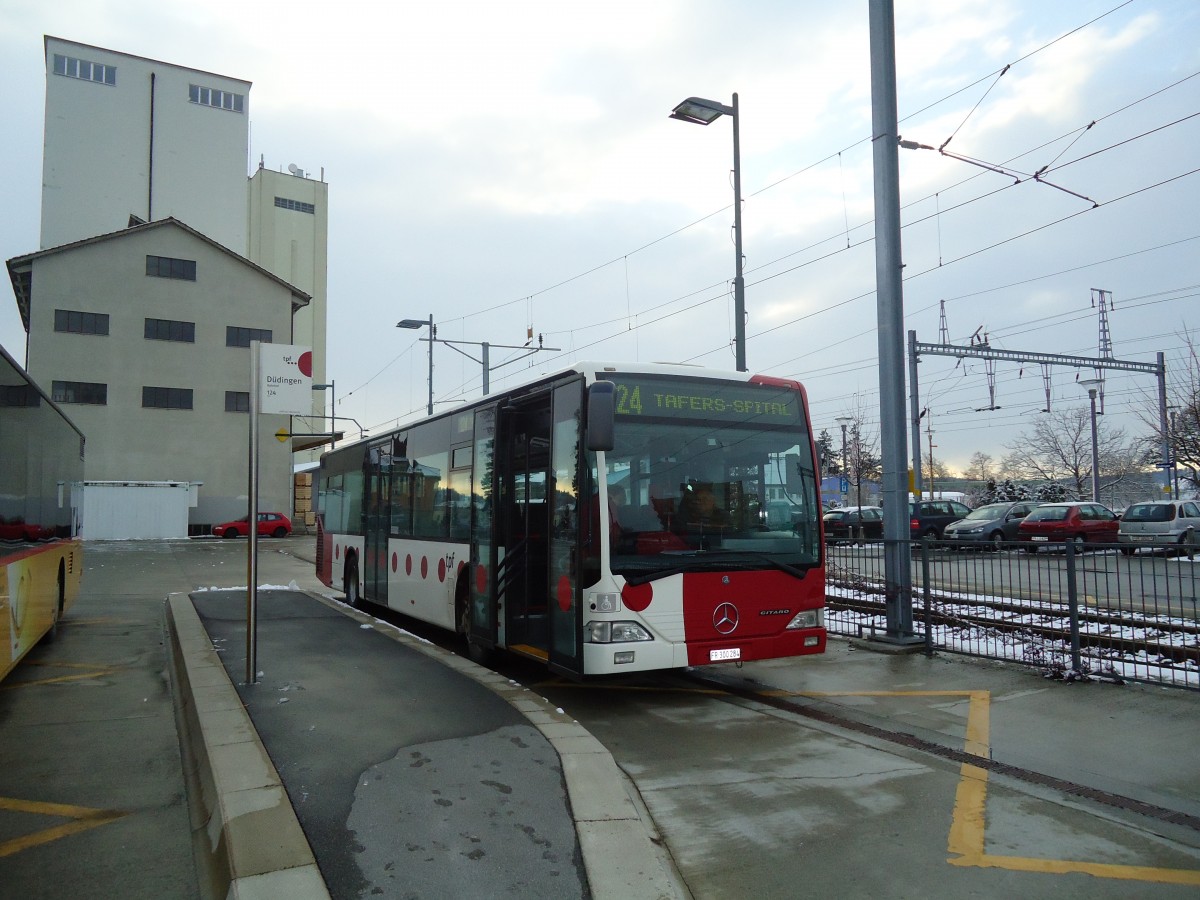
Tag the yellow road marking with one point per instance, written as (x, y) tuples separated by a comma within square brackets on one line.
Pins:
[(969, 822), (90, 670), (84, 818), (968, 825)]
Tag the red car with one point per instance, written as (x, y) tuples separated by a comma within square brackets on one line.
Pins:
[(1076, 522), (270, 524)]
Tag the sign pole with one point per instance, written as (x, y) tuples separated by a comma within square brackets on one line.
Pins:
[(252, 522), (279, 385)]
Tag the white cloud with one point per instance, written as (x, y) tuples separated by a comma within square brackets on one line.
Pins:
[(479, 153)]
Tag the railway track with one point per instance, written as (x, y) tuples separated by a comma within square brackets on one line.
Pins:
[(1113, 631)]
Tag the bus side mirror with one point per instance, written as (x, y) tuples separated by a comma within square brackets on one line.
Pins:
[(601, 411)]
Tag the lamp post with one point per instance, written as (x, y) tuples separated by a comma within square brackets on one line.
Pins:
[(421, 323), (704, 112), (1092, 385), (332, 409), (844, 421), (1173, 472)]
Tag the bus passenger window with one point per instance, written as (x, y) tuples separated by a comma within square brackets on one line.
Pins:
[(429, 496)]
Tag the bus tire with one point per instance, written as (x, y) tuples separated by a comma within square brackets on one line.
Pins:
[(59, 602), (464, 617), (350, 583)]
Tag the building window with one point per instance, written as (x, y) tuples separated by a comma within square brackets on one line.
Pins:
[(299, 206), (241, 337), (84, 70), (166, 398), (19, 395), (217, 99), (77, 322), (79, 392), (166, 267), (170, 330), (237, 401)]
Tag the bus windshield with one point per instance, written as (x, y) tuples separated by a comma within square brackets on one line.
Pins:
[(709, 495)]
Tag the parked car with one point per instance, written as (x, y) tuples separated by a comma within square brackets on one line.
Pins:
[(930, 517), (1160, 522), (850, 523), (1074, 521), (994, 523), (270, 524)]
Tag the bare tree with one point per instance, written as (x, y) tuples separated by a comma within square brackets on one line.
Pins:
[(1059, 447), (863, 462), (941, 470), (1183, 403), (981, 467)]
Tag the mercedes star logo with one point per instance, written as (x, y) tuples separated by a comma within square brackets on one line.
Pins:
[(725, 618)]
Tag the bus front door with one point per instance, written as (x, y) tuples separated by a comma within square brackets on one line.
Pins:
[(566, 491), (522, 529)]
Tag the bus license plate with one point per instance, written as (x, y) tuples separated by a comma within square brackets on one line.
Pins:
[(731, 653)]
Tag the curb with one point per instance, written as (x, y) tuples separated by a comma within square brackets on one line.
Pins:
[(247, 839), (249, 843), (623, 856)]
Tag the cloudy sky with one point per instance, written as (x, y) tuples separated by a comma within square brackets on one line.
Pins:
[(510, 166)]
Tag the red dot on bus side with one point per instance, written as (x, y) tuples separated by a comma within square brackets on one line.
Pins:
[(395, 561), (481, 578), (424, 566), (408, 564), (441, 570), (461, 566), (637, 596), (564, 593)]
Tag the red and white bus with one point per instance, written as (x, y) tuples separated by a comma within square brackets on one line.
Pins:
[(489, 520), (41, 459)]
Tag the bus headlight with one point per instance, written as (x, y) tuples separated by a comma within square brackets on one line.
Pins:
[(809, 618), (615, 632)]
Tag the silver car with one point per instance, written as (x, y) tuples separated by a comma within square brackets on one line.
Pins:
[(992, 524), (1160, 522)]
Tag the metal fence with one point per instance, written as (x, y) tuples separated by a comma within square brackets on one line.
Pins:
[(1094, 612)]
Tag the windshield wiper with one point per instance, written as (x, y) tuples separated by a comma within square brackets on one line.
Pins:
[(707, 556), (758, 556), (635, 580)]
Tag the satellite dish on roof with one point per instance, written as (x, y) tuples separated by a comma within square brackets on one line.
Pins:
[(295, 169)]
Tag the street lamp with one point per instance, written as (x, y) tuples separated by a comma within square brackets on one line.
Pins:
[(1092, 385), (332, 409), (844, 421), (421, 323), (704, 112)]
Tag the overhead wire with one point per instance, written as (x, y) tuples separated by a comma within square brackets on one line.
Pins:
[(995, 76)]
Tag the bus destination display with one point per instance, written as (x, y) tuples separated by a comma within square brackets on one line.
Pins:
[(721, 401)]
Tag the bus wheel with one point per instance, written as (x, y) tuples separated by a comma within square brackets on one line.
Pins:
[(464, 615), (59, 603), (479, 654), (350, 583)]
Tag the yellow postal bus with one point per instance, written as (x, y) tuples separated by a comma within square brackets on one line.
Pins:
[(41, 461)]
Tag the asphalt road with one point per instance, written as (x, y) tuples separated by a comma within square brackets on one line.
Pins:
[(92, 797)]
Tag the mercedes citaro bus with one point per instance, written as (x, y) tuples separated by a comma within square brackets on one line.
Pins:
[(608, 518)]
